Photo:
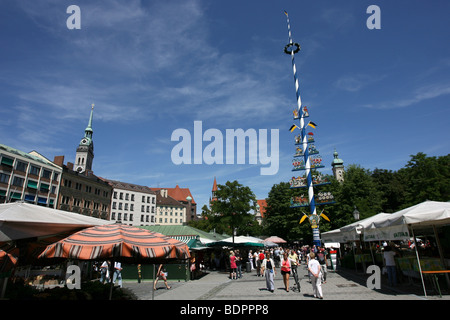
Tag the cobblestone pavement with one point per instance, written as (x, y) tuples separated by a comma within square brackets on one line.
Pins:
[(340, 285)]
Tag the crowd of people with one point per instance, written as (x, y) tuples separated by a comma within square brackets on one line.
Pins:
[(265, 263)]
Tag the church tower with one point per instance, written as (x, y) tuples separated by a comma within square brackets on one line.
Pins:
[(338, 167), (85, 150)]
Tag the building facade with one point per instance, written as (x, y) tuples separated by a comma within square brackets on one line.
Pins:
[(83, 192), (169, 211), (184, 196), (132, 204), (28, 177)]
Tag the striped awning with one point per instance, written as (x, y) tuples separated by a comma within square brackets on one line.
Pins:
[(117, 241), (190, 240)]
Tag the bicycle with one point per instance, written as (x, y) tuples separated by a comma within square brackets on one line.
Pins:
[(297, 282)]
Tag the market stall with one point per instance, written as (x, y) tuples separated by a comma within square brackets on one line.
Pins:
[(429, 221)]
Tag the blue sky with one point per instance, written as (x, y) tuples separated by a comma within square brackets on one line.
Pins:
[(151, 67)]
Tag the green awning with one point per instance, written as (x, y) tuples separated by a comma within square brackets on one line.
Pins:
[(7, 161), (45, 186), (16, 195), (32, 184)]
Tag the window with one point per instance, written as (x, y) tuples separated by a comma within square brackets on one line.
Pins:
[(115, 195), (4, 178), (46, 174), (132, 207), (44, 187), (21, 166), (34, 170), (18, 181), (132, 197)]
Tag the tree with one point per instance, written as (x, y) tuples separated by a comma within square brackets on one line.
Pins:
[(281, 219), (427, 179), (233, 206), (392, 186)]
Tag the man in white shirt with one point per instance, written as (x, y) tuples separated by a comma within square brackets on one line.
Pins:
[(117, 273), (315, 271), (389, 262)]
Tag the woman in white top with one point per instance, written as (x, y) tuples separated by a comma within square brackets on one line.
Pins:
[(315, 271), (269, 266)]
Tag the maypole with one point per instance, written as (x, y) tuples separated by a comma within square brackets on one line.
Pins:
[(304, 139)]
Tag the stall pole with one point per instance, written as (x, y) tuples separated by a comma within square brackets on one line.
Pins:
[(153, 284), (441, 254), (418, 261)]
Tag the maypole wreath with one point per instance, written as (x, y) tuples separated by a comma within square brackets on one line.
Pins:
[(297, 49)]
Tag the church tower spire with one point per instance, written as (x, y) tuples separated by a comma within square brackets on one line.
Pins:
[(85, 150), (213, 191)]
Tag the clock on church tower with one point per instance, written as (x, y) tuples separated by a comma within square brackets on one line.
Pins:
[(85, 150)]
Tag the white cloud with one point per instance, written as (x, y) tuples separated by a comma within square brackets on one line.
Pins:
[(419, 95)]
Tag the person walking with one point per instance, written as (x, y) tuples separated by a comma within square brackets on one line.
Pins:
[(322, 257), (161, 274), (117, 273), (269, 266), (261, 258), (286, 270), (389, 263), (315, 274), (104, 271), (238, 264), (233, 266)]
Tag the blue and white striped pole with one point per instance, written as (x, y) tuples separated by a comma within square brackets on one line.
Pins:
[(312, 204)]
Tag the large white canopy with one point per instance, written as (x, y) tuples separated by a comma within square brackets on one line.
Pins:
[(243, 239), (393, 226), (19, 220), (352, 231)]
